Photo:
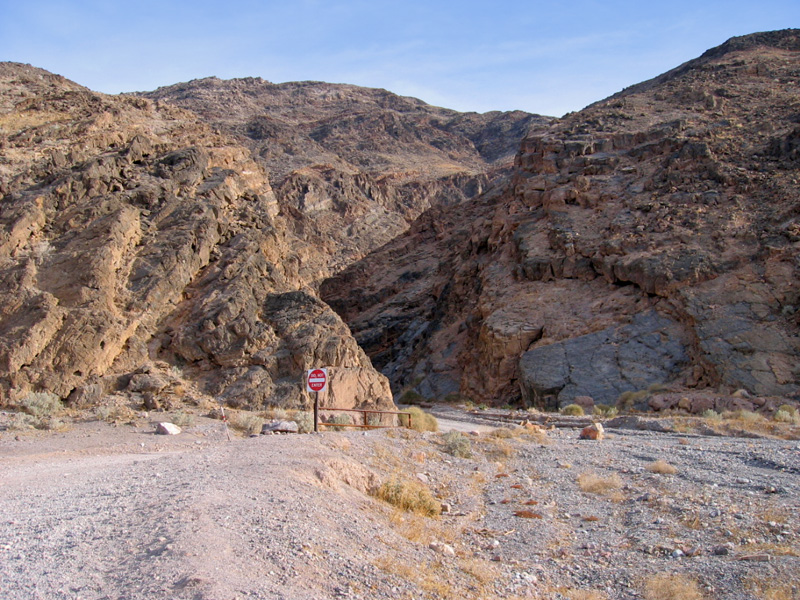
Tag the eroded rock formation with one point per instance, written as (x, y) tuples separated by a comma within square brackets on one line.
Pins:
[(653, 237), (142, 251), (352, 167)]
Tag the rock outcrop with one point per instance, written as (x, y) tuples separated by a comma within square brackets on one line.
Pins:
[(141, 251), (353, 166), (652, 238)]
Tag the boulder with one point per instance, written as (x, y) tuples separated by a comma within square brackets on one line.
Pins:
[(594, 431), (603, 365), (280, 427), (167, 429)]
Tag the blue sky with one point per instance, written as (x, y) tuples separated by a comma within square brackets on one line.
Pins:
[(544, 57)]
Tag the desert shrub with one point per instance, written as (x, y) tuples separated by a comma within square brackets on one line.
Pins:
[(573, 410), (745, 416), (41, 404), (337, 422), (788, 408), (247, 422), (411, 397), (502, 433), (304, 420), (114, 414), (409, 495), (605, 410), (274, 413), (782, 416), (628, 399), (21, 422), (182, 418), (457, 444), (712, 415), (420, 420), (593, 483), (665, 586), (662, 467)]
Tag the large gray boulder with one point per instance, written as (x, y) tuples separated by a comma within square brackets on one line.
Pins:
[(603, 365)]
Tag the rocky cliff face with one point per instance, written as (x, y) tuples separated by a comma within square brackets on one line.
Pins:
[(652, 238), (141, 250), (352, 167)]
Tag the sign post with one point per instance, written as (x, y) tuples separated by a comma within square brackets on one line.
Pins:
[(316, 381)]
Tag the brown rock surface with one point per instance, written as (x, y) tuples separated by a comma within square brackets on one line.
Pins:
[(353, 166), (140, 249), (650, 238)]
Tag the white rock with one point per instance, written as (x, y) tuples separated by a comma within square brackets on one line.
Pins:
[(167, 429)]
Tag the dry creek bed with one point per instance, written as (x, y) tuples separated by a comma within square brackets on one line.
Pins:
[(104, 512)]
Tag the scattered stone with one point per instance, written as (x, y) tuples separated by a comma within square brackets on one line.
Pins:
[(754, 557), (442, 548), (722, 550), (446, 508), (167, 429), (592, 432)]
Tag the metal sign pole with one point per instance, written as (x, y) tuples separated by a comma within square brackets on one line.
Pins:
[(316, 412)]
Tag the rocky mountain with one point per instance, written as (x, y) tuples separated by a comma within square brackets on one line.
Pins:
[(143, 251), (352, 167), (651, 240)]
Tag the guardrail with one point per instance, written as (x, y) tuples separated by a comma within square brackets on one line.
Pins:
[(366, 412)]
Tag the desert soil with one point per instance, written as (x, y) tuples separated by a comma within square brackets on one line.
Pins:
[(105, 512)]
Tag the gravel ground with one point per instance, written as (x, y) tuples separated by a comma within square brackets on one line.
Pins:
[(103, 512)]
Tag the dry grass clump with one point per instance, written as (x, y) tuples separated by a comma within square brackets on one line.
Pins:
[(246, 422), (669, 586), (771, 589), (605, 410), (662, 467), (627, 400), (115, 414), (573, 410), (182, 418), (409, 495), (338, 422), (479, 569), (592, 483), (787, 414), (419, 420), (457, 444), (585, 595)]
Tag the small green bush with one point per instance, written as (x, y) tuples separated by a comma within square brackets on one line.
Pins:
[(712, 415), (787, 408), (457, 444), (420, 420), (573, 410)]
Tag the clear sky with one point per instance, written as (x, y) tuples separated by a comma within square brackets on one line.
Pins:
[(545, 57)]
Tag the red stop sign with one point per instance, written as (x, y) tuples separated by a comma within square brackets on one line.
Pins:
[(317, 380)]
